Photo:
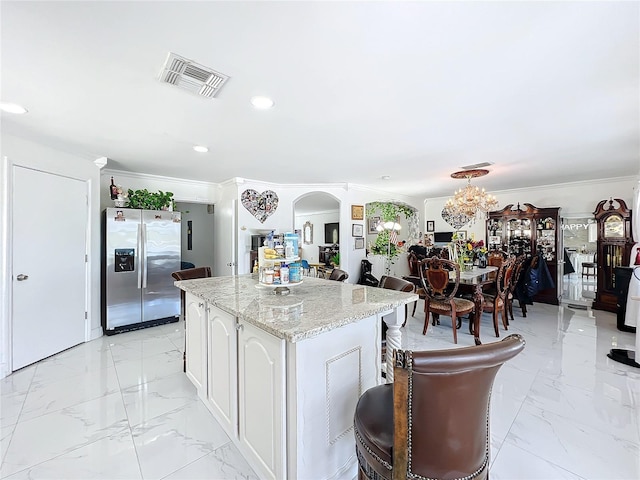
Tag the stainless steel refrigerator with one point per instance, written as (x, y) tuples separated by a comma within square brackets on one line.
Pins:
[(140, 250)]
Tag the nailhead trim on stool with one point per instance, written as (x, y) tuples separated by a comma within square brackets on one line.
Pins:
[(371, 473)]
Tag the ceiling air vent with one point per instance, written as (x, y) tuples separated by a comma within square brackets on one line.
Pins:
[(477, 165), (189, 75)]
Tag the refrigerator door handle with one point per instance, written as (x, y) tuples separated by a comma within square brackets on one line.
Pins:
[(144, 255), (139, 247)]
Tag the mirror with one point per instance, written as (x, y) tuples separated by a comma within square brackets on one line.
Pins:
[(307, 233)]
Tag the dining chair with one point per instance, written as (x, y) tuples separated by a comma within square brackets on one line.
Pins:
[(433, 421), (440, 293), (496, 257), (306, 268), (495, 302), (188, 274), (511, 292)]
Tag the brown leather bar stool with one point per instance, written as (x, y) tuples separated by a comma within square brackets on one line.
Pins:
[(433, 420)]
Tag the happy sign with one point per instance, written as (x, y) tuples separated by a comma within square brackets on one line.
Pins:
[(261, 205)]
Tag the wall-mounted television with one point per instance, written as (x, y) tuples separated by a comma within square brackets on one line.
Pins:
[(332, 233), (442, 237)]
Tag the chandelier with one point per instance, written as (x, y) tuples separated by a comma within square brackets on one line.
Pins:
[(469, 202)]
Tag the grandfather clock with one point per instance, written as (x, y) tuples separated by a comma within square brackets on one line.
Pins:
[(614, 248)]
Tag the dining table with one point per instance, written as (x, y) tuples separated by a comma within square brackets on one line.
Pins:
[(472, 282)]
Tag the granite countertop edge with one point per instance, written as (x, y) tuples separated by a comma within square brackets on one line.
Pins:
[(287, 330)]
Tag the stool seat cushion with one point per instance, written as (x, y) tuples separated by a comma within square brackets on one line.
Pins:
[(373, 422)]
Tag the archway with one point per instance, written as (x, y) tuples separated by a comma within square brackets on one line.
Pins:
[(317, 218)]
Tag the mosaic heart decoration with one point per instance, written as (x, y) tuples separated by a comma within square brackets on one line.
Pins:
[(457, 221), (260, 205)]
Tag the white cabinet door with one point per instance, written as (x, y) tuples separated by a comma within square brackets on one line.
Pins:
[(222, 387), (196, 344), (261, 378)]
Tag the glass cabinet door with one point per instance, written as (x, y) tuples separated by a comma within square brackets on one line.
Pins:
[(546, 238), (519, 236)]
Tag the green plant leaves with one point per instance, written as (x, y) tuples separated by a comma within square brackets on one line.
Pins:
[(149, 200)]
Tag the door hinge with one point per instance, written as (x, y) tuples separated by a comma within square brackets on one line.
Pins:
[(86, 258), (86, 315)]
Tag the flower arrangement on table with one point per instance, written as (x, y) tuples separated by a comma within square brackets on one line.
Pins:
[(467, 251)]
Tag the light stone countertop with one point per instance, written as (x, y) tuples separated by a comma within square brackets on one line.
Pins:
[(311, 308)]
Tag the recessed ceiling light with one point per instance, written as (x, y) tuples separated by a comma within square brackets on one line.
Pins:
[(261, 102), (200, 149), (12, 108), (385, 177)]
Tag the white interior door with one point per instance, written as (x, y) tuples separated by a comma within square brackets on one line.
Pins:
[(48, 265)]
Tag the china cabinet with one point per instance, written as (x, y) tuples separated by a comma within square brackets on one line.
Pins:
[(614, 249), (528, 230)]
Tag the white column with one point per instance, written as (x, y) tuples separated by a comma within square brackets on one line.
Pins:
[(394, 321)]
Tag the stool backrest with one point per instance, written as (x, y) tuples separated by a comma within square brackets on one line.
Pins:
[(441, 409), (338, 275), (395, 283)]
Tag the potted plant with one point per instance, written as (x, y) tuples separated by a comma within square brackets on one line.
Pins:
[(150, 200), (335, 260)]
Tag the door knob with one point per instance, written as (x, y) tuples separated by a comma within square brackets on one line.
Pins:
[(22, 277)]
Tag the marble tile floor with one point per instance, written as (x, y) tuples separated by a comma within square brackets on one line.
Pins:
[(120, 407), (578, 290)]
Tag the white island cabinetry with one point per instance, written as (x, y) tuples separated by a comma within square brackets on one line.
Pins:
[(222, 366), (283, 374), (196, 342), (261, 399)]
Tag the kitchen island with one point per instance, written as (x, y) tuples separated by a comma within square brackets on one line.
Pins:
[(282, 373)]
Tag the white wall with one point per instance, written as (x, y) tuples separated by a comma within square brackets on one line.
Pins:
[(202, 233), (17, 151), (310, 252), (283, 220), (183, 190), (574, 199)]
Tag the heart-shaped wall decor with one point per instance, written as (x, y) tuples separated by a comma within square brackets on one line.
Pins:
[(261, 205), (457, 221)]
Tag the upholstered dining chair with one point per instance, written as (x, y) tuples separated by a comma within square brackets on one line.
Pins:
[(496, 257), (338, 275), (188, 274), (496, 302), (440, 293), (511, 293), (433, 421)]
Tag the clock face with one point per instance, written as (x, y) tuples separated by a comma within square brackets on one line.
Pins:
[(614, 227)]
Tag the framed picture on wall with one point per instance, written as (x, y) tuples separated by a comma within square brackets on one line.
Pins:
[(428, 240), (431, 226), (373, 223), (357, 212), (359, 243), (357, 230), (461, 234)]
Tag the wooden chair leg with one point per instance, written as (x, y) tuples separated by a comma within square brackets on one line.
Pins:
[(495, 322), (510, 303), (454, 324), (505, 316), (426, 322)]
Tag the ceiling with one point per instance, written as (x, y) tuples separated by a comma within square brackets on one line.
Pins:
[(546, 91)]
